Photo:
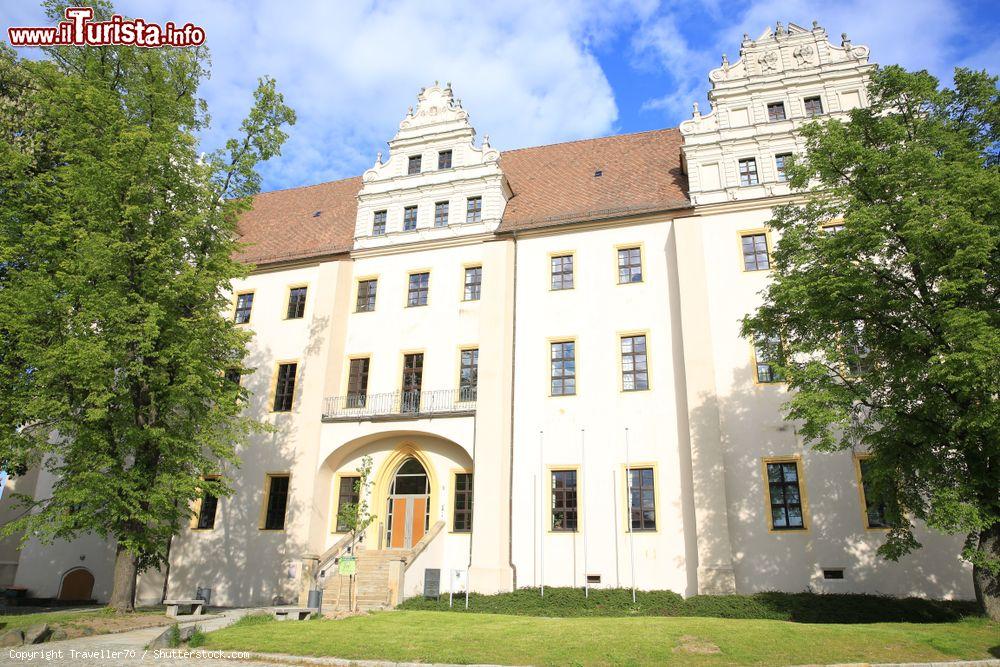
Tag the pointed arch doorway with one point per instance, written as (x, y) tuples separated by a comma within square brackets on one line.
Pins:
[(408, 507)]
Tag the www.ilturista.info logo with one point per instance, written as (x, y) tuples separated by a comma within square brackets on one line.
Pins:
[(79, 30)]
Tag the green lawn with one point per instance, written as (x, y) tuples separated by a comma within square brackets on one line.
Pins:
[(76, 623), (430, 636)]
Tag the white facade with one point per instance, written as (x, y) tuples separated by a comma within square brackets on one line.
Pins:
[(699, 422)]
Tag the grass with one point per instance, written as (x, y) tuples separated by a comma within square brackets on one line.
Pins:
[(799, 607), (76, 623), (435, 636)]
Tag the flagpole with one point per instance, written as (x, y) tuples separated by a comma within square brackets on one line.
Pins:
[(541, 520), (628, 518), (582, 502)]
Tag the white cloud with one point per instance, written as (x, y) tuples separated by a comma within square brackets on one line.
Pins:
[(523, 69)]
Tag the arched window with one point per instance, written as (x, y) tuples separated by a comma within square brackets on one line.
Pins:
[(410, 479)]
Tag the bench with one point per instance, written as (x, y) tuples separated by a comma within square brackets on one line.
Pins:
[(293, 613), (197, 606)]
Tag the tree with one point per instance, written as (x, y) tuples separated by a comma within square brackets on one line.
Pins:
[(116, 255), (888, 322), (356, 517)]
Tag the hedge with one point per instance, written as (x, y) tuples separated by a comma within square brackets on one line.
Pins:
[(797, 607)]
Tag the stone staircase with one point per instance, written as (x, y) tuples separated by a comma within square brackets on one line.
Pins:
[(371, 582)]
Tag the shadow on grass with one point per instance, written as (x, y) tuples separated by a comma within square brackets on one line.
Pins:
[(796, 607)]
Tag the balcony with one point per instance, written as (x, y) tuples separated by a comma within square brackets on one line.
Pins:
[(400, 405)]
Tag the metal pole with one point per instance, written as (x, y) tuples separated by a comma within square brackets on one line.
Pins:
[(628, 518), (582, 522), (541, 515), (466, 588)]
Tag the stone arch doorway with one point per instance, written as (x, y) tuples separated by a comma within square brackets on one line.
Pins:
[(407, 505), (77, 585)]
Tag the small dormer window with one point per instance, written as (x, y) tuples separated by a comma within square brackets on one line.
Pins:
[(414, 166), (813, 105), (776, 111), (444, 160), (598, 173)]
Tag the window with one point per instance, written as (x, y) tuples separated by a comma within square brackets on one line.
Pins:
[(776, 111), (780, 164), (206, 513), (296, 303), (784, 495), (473, 283), (417, 292), (563, 500), (244, 304), (284, 388), (563, 368), (357, 383), (276, 502), (444, 160), (765, 354), (441, 214), (748, 171), (629, 266), (409, 218), (468, 379), (641, 499), (474, 209), (833, 227), (562, 272), (833, 573), (873, 506), (413, 380), (462, 521), (366, 295), (855, 350), (755, 257), (378, 226), (233, 375), (414, 166), (348, 496), (635, 374), (813, 105)]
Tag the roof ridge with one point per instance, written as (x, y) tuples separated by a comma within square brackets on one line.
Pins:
[(580, 141), (311, 185)]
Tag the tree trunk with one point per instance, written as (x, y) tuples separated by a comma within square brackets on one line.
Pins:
[(123, 593), (987, 582)]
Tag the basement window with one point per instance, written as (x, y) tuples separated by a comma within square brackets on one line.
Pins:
[(593, 578), (833, 573)]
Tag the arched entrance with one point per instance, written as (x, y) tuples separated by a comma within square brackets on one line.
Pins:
[(408, 506), (77, 585)]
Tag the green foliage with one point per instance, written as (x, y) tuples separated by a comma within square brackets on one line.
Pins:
[(890, 327), (253, 619), (117, 250), (356, 517), (197, 638), (174, 638), (797, 607)]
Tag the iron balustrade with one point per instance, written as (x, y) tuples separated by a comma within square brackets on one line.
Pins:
[(400, 404)]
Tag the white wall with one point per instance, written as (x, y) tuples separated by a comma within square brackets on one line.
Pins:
[(595, 313)]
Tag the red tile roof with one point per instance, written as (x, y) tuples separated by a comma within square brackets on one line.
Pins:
[(556, 184), (551, 185)]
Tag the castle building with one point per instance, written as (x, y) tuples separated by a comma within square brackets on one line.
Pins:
[(540, 352)]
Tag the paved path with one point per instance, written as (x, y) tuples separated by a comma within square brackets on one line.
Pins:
[(126, 648)]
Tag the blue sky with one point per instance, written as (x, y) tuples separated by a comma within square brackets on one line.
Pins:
[(529, 72)]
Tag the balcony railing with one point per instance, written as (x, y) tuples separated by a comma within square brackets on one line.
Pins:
[(400, 405)]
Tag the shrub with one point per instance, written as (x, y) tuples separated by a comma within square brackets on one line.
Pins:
[(197, 638), (174, 638), (252, 619), (797, 607)]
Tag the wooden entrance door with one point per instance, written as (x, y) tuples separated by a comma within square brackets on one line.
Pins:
[(77, 585), (408, 520)]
